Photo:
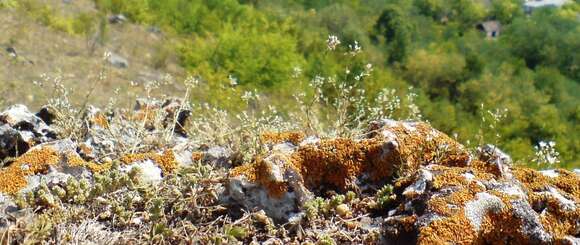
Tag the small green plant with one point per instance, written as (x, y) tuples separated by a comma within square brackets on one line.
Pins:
[(325, 240), (385, 196)]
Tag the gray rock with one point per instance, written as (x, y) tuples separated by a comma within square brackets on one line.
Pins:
[(118, 61), (52, 178), (7, 208), (20, 129), (12, 52), (420, 186), (182, 152), (218, 156), (251, 196), (477, 209), (148, 173), (10, 139), (117, 19), (531, 225)]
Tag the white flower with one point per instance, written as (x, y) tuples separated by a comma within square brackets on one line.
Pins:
[(233, 80), (355, 48), (297, 71), (546, 153)]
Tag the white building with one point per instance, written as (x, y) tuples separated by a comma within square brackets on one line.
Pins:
[(531, 5)]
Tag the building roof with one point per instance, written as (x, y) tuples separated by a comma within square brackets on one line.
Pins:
[(490, 26), (544, 3)]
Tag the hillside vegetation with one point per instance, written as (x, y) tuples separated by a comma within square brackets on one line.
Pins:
[(532, 69), (429, 48)]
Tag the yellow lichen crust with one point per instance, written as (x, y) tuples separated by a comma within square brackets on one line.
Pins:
[(166, 161), (98, 168), (556, 219), (74, 160), (277, 138), (13, 177)]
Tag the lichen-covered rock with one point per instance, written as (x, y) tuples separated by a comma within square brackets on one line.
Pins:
[(274, 186), (338, 164), (53, 160), (472, 205)]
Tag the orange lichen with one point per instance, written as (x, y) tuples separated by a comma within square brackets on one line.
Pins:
[(453, 230), (566, 181), (407, 223), (100, 120), (13, 177), (85, 149), (197, 156), (502, 226), (557, 220), (486, 167), (166, 161), (440, 204), (422, 144), (333, 162), (259, 172), (454, 176), (277, 138)]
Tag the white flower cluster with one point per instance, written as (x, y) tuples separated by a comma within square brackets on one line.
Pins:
[(233, 80), (546, 153), (414, 111), (354, 49), (296, 71), (332, 42), (249, 96)]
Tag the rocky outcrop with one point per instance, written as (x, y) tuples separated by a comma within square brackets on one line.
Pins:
[(298, 165)]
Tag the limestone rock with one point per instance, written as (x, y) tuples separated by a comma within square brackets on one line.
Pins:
[(148, 171), (20, 129)]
